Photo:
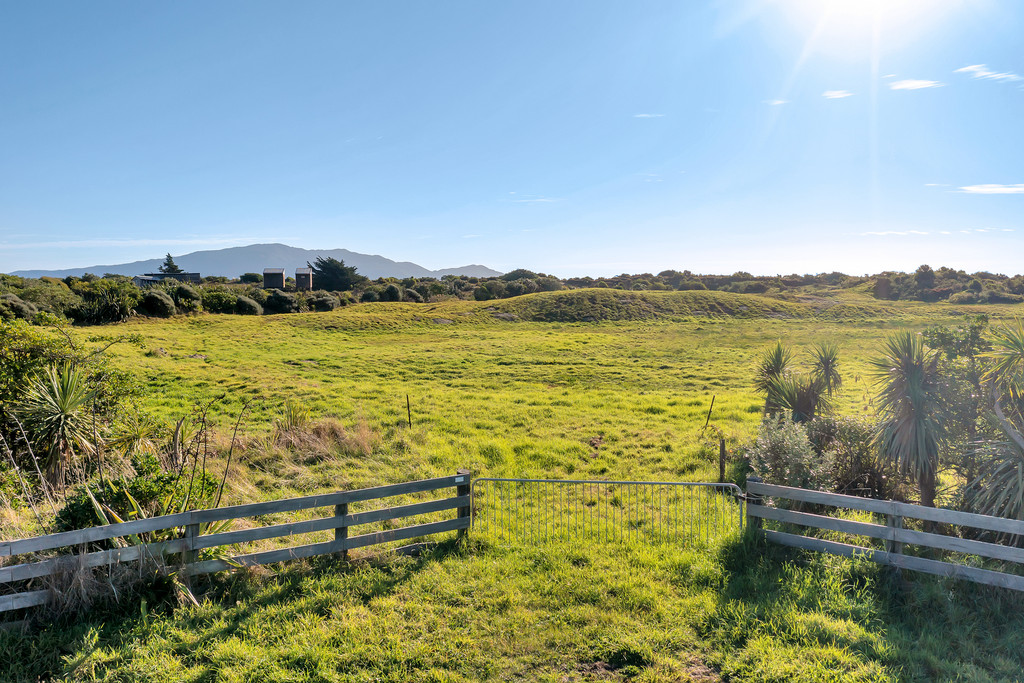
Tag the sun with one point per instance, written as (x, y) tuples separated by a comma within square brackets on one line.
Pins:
[(842, 25)]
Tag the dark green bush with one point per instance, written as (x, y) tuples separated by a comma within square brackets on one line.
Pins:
[(256, 278), (218, 300), (187, 299), (323, 301), (12, 306), (369, 296), (281, 302), (391, 293), (157, 303), (105, 300), (413, 296), (246, 306)]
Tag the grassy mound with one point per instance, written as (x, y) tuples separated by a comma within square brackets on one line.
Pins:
[(596, 305)]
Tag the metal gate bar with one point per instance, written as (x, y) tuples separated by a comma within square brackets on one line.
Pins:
[(541, 510)]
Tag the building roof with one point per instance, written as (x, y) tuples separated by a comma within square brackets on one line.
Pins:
[(273, 270), (303, 271)]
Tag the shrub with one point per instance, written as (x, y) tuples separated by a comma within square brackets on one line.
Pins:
[(782, 454), (246, 306), (323, 301), (218, 300), (369, 296), (391, 293), (963, 298), (413, 296), (849, 445), (12, 306), (255, 278), (157, 303), (105, 301), (281, 302), (520, 287), (187, 299), (519, 274)]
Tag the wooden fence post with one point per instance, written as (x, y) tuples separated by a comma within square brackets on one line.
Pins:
[(894, 521), (341, 532), (463, 488), (753, 522), (191, 555)]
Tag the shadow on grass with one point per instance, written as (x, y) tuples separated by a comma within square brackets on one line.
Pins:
[(915, 626), (48, 648)]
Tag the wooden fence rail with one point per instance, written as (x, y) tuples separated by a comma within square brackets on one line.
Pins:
[(192, 541), (892, 532)]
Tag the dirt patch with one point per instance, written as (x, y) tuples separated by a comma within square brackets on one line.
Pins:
[(505, 316), (592, 671), (700, 672), (442, 321)]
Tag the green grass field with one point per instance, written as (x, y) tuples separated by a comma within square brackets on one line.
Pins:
[(522, 387)]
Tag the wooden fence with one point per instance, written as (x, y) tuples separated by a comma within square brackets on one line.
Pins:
[(17, 579), (893, 534)]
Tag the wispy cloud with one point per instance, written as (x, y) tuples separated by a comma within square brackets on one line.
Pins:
[(651, 177), (134, 242), (469, 237), (538, 200), (982, 71), (893, 232), (936, 184), (993, 189), (776, 103), (914, 84), (836, 94), (648, 116)]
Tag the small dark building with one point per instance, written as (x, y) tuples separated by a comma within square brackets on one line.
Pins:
[(192, 278), (304, 279), (273, 278)]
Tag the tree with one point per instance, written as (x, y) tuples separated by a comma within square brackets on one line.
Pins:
[(999, 490), (913, 426), (332, 274), (170, 267)]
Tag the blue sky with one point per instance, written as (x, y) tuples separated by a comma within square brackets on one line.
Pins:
[(587, 137)]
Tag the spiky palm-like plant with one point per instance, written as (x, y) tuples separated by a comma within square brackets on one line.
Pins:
[(135, 433), (910, 406), (825, 368), (771, 366), (56, 411), (802, 396), (999, 490)]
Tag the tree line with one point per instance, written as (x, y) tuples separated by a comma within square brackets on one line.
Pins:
[(91, 299)]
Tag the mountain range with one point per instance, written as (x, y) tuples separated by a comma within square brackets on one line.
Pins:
[(233, 261)]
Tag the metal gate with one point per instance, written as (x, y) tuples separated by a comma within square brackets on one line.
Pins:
[(541, 510)]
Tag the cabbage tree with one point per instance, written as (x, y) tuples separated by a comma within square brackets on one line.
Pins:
[(912, 428)]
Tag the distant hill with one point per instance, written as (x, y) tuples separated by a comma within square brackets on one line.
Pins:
[(233, 261)]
